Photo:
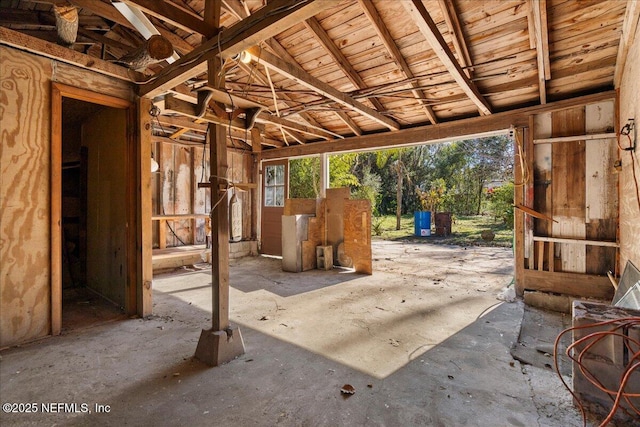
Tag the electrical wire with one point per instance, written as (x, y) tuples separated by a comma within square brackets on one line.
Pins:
[(524, 168), (619, 329)]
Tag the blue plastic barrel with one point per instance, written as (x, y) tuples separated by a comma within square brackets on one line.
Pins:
[(422, 223)]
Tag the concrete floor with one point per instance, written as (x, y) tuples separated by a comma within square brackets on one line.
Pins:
[(424, 341)]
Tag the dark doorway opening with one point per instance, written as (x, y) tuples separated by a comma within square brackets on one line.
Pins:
[(94, 206)]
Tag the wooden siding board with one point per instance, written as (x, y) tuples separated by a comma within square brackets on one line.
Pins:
[(601, 189), (568, 187)]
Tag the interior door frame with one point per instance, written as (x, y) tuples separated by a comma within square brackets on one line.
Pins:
[(59, 91)]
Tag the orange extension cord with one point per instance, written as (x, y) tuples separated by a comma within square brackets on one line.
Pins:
[(633, 346)]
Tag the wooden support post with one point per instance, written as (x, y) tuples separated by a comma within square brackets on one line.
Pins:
[(541, 256), (324, 174), (193, 187), (144, 295), (256, 144), (222, 343)]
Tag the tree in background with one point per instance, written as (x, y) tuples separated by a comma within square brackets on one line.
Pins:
[(304, 178), (450, 176), (501, 202)]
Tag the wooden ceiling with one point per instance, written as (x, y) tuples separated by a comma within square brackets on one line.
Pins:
[(326, 70)]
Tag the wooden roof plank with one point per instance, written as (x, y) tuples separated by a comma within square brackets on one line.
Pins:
[(300, 76), (273, 18), (430, 31)]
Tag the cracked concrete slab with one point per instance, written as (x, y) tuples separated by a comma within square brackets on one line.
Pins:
[(423, 341)]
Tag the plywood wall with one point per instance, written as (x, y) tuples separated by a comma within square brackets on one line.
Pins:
[(24, 196), (25, 129), (630, 108)]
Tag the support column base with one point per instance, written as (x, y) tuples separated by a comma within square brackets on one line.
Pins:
[(216, 348)]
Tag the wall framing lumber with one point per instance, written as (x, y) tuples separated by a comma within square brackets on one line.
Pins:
[(493, 124)]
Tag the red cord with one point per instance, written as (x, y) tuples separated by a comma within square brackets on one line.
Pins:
[(589, 341)]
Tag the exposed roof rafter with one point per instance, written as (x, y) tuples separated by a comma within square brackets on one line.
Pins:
[(300, 76), (429, 30), (396, 55), (343, 63), (282, 53), (539, 12)]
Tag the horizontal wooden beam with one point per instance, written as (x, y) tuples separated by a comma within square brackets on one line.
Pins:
[(275, 17), (178, 217), (575, 138), (435, 133), (34, 45), (300, 76), (575, 284)]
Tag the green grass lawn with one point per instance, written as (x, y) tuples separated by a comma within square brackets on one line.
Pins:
[(465, 231)]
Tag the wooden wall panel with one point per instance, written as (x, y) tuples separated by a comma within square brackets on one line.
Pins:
[(629, 204), (568, 187), (542, 174), (202, 196), (24, 196), (601, 189)]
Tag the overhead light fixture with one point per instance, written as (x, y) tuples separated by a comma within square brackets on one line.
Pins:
[(243, 57)]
